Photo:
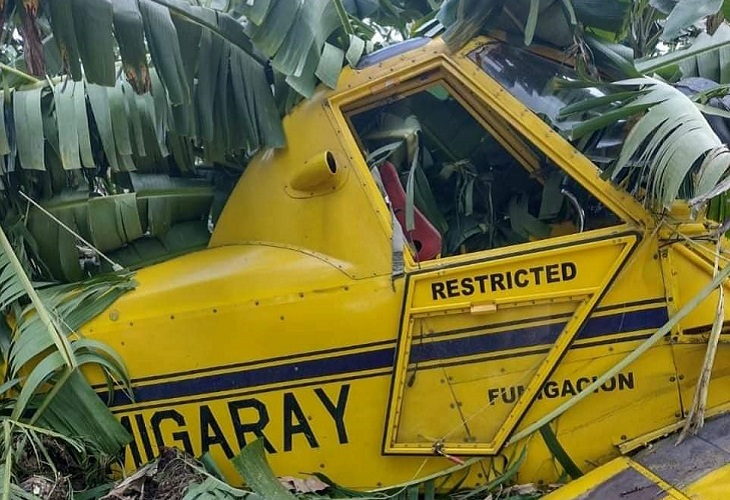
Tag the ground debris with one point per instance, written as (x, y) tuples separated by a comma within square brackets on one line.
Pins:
[(133, 487), (47, 488), (527, 491), (311, 484), (523, 489), (167, 478), (48, 468)]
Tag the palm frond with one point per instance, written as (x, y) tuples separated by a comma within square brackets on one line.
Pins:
[(465, 18), (671, 146), (687, 12), (76, 410), (213, 488), (15, 284), (252, 465), (123, 225), (45, 349), (208, 78), (706, 57), (552, 21)]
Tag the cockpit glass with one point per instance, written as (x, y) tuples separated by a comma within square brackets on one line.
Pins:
[(546, 86), (459, 181)]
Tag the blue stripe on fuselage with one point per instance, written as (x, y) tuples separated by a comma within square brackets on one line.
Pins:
[(533, 336), (345, 363)]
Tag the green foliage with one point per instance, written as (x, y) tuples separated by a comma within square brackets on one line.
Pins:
[(43, 356), (549, 21), (702, 58), (174, 84), (687, 12), (664, 146), (251, 464), (108, 108)]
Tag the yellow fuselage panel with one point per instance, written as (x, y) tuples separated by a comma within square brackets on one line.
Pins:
[(299, 326)]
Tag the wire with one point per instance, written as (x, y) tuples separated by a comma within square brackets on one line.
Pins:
[(115, 267), (693, 242)]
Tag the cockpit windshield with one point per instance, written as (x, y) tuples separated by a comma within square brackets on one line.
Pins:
[(546, 86)]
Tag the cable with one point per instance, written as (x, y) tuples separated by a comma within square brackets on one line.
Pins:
[(115, 267)]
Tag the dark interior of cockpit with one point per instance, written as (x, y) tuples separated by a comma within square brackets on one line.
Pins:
[(457, 185)]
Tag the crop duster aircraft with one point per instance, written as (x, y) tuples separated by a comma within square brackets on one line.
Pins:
[(424, 272)]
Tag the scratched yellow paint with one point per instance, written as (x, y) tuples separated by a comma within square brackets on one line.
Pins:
[(712, 486), (295, 325), (608, 471), (597, 476)]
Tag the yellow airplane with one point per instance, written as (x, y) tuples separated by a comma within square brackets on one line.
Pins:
[(424, 272)]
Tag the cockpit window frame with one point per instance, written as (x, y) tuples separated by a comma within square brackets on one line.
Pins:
[(511, 142), (484, 99)]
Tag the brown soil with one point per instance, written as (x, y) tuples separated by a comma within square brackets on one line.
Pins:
[(47, 488), (174, 474), (36, 475), (166, 479)]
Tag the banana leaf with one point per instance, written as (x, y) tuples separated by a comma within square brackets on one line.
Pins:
[(77, 411), (42, 352), (524, 223), (687, 12), (701, 58), (252, 465), (670, 146)]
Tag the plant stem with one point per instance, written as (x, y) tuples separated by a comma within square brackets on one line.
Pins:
[(342, 14), (435, 475), (62, 344), (17, 72), (7, 457), (48, 398), (661, 332), (696, 418)]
